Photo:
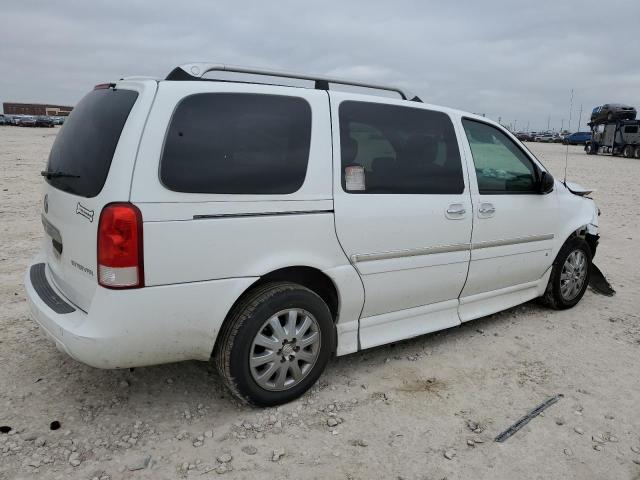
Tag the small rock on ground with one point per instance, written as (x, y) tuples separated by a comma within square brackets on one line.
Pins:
[(249, 449), (359, 443), (225, 458), (74, 459), (278, 454), (139, 464), (449, 454)]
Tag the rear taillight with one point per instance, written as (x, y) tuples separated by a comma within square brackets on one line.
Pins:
[(120, 263)]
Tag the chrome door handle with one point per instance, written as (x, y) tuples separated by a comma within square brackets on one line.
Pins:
[(455, 211), (486, 210)]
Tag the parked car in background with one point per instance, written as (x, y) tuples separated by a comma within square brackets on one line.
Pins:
[(27, 121), (259, 227), (612, 111), (58, 120), (546, 137), (525, 137), (3, 120), (577, 138), (43, 121)]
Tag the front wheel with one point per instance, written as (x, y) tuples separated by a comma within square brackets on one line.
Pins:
[(569, 275), (275, 344), (628, 151)]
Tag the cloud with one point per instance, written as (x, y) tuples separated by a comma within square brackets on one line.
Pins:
[(514, 60)]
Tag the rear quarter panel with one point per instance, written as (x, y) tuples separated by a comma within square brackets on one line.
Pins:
[(242, 235)]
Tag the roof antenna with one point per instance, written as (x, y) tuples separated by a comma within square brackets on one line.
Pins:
[(566, 154)]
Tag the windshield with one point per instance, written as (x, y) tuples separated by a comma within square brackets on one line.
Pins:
[(84, 148)]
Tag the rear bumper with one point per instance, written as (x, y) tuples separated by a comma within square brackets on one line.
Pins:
[(134, 328)]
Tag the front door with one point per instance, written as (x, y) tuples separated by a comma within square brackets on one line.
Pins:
[(513, 226), (403, 214)]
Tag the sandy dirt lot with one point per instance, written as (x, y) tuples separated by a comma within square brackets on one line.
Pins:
[(391, 412)]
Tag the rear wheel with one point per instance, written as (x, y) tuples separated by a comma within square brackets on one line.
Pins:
[(637, 152), (590, 149), (627, 152), (569, 275), (275, 344)]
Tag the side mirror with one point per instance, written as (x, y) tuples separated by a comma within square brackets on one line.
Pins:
[(546, 183)]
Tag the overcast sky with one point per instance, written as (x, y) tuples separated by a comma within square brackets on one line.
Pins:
[(517, 60)]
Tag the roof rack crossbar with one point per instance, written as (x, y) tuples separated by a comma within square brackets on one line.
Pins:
[(195, 71)]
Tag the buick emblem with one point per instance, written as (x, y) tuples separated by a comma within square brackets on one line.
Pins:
[(46, 203)]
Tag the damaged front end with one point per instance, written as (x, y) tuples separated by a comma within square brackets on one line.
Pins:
[(597, 280)]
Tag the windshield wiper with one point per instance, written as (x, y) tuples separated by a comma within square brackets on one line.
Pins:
[(51, 175)]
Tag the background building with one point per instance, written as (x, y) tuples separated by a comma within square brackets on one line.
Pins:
[(35, 109)]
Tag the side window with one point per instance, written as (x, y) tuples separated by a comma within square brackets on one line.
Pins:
[(631, 129), (237, 143), (390, 149), (501, 166)]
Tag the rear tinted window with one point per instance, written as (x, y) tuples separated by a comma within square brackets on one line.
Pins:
[(84, 146), (389, 149), (237, 143)]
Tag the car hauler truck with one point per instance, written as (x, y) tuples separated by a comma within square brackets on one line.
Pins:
[(615, 137)]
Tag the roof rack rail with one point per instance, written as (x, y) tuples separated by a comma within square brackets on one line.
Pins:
[(195, 71)]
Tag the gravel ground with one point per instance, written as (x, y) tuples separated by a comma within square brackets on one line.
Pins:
[(427, 408)]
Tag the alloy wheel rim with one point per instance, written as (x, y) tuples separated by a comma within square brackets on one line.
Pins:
[(573, 275), (285, 349)]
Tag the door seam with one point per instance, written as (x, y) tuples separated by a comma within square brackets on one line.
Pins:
[(464, 143), (335, 228)]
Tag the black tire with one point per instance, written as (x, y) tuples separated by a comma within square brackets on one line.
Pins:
[(590, 149), (553, 297), (627, 152), (235, 339), (636, 153)]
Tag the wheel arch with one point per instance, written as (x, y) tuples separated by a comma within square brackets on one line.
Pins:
[(586, 233), (310, 277)]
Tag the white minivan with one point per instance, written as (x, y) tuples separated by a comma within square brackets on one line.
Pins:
[(269, 227)]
